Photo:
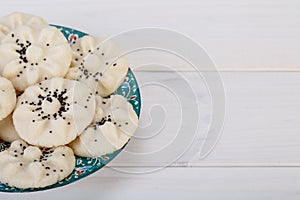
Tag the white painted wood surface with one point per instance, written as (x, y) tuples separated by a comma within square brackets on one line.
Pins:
[(179, 183), (238, 34), (258, 154)]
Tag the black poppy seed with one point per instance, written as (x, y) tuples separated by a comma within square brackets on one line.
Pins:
[(15, 151), (47, 174), (76, 59), (22, 154), (36, 63), (47, 168), (33, 120), (95, 140), (96, 92), (24, 67), (103, 102), (102, 54), (126, 123), (63, 154), (50, 131), (64, 118), (69, 123), (16, 155), (47, 44), (114, 64), (21, 72), (119, 125), (81, 55), (54, 170), (12, 35), (61, 170), (45, 78), (85, 106), (21, 164), (44, 59), (20, 62), (32, 64), (18, 75), (78, 49), (106, 63)]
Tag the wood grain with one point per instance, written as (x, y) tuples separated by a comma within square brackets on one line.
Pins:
[(261, 126), (180, 183)]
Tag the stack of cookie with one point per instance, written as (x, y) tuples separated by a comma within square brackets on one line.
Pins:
[(56, 101)]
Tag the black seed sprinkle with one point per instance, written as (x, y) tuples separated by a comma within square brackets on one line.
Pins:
[(47, 45), (63, 154), (12, 35), (21, 164), (114, 64), (95, 140)]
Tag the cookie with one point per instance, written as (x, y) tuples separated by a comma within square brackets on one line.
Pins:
[(54, 112), (13, 20), (114, 123), (24, 166), (8, 132), (31, 53), (97, 63), (8, 97)]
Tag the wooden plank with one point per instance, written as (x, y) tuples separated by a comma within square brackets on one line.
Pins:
[(180, 183), (261, 126), (251, 35)]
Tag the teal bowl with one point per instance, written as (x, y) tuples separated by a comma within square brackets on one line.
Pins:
[(86, 166)]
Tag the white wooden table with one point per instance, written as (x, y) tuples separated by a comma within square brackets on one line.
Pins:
[(256, 47)]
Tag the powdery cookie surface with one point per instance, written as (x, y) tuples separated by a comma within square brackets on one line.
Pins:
[(13, 20), (25, 166), (114, 123), (31, 53), (7, 97), (97, 63), (8, 132), (54, 112)]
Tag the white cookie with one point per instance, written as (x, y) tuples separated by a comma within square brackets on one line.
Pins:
[(97, 63), (31, 53), (25, 166), (8, 132), (114, 123), (8, 97), (13, 20), (54, 112)]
